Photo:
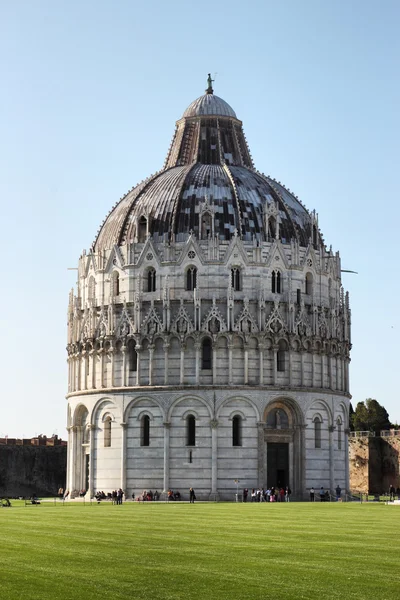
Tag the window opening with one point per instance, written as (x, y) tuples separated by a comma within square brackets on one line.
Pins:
[(132, 355), (107, 432), (142, 233), (280, 356), (317, 432), (235, 279), (206, 356), (151, 280), (191, 431), (191, 278), (236, 431), (145, 431)]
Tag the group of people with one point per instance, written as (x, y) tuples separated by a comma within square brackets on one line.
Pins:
[(324, 495), (271, 494), (393, 493), (147, 496)]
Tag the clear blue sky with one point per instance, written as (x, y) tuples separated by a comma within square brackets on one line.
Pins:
[(90, 95)]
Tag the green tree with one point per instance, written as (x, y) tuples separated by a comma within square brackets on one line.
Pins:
[(370, 416), (351, 417)]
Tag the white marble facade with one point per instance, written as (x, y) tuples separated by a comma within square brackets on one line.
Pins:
[(198, 357)]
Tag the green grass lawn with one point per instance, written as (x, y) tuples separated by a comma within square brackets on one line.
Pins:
[(201, 551)]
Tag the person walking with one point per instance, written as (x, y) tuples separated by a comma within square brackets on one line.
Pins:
[(312, 494), (192, 496)]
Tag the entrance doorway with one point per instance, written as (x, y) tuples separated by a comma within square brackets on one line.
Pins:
[(277, 464)]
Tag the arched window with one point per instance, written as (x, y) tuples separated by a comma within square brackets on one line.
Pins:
[(206, 354), (317, 432), (115, 284), (236, 279), (339, 433), (132, 355), (151, 280), (237, 431), (191, 430), (142, 230), (145, 431), (107, 432), (271, 228), (191, 278), (309, 284), (205, 226), (280, 356), (92, 288), (276, 282)]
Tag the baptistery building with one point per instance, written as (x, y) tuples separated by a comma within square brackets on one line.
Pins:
[(209, 333)]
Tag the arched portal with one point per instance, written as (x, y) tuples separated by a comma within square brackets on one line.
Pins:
[(281, 446)]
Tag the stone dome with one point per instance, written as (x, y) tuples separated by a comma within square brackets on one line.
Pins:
[(209, 104), (208, 162)]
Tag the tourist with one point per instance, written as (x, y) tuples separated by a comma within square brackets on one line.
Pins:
[(338, 493), (391, 493), (288, 491), (322, 494), (245, 494), (312, 494), (192, 496)]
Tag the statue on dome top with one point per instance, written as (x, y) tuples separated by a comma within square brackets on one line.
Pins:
[(209, 89)]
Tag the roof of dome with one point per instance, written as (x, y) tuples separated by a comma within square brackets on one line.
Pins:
[(208, 104), (237, 196), (208, 165)]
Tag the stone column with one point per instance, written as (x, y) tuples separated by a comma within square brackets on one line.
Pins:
[(214, 363), (214, 459), (346, 452), (197, 348), (274, 350), (331, 458), (123, 456), (246, 365), (112, 354), (102, 352), (261, 454), (230, 375), (166, 346), (290, 367), (312, 369), (124, 361), (151, 355), (167, 426), (70, 458), (73, 462), (92, 429), (138, 365), (182, 365), (261, 367), (78, 380), (93, 354), (302, 368), (329, 358), (85, 369), (322, 370), (299, 463)]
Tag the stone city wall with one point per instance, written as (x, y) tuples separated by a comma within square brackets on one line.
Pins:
[(374, 462), (32, 469)]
